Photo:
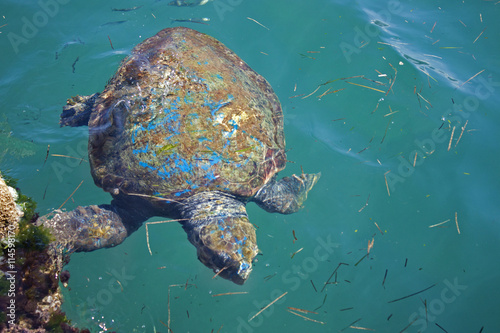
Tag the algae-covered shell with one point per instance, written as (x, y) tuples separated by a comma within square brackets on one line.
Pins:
[(184, 114)]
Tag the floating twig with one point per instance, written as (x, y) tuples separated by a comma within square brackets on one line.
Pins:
[(295, 96), (71, 195), (157, 222), (74, 63), (386, 128), (314, 286), (306, 318), (463, 129), (394, 80), (385, 275), (301, 310), (348, 326), (234, 293), (360, 260), (366, 204), (378, 228), (437, 224), (418, 292), (46, 156), (312, 92), (76, 158), (370, 246), (441, 327), (456, 222), (258, 313), (121, 287), (478, 36), (451, 138), (324, 299), (404, 329), (294, 237), (220, 271), (472, 77), (357, 84), (293, 254), (168, 328), (362, 328), (269, 277), (422, 97), (386, 185), (251, 19), (110, 43), (335, 270)]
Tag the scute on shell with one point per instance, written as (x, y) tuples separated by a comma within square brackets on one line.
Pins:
[(185, 114)]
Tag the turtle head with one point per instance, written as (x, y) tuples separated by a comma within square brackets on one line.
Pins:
[(227, 245)]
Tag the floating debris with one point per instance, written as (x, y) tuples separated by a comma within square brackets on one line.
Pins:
[(74, 63), (441, 327), (301, 310), (112, 23), (456, 222), (76, 158), (269, 277), (264, 308), (233, 293), (324, 299), (418, 292), (293, 254), (472, 77), (110, 43), (451, 138), (218, 272), (386, 185), (350, 325), (378, 228), (475, 41), (201, 20), (306, 318), (71, 195), (251, 19), (125, 9), (463, 129), (438, 224), (335, 271), (366, 203), (46, 156), (314, 286), (387, 127), (357, 84), (157, 222)]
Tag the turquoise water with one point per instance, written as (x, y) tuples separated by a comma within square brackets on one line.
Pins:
[(357, 137)]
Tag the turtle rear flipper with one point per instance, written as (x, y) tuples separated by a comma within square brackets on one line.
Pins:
[(286, 195), (77, 110)]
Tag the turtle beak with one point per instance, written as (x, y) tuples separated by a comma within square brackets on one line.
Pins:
[(228, 246)]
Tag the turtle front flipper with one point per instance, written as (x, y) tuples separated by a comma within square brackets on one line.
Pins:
[(286, 195), (85, 228), (217, 225)]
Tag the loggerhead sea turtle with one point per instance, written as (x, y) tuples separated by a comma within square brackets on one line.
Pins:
[(186, 130)]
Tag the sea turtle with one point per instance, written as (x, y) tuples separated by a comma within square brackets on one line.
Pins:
[(186, 130)]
